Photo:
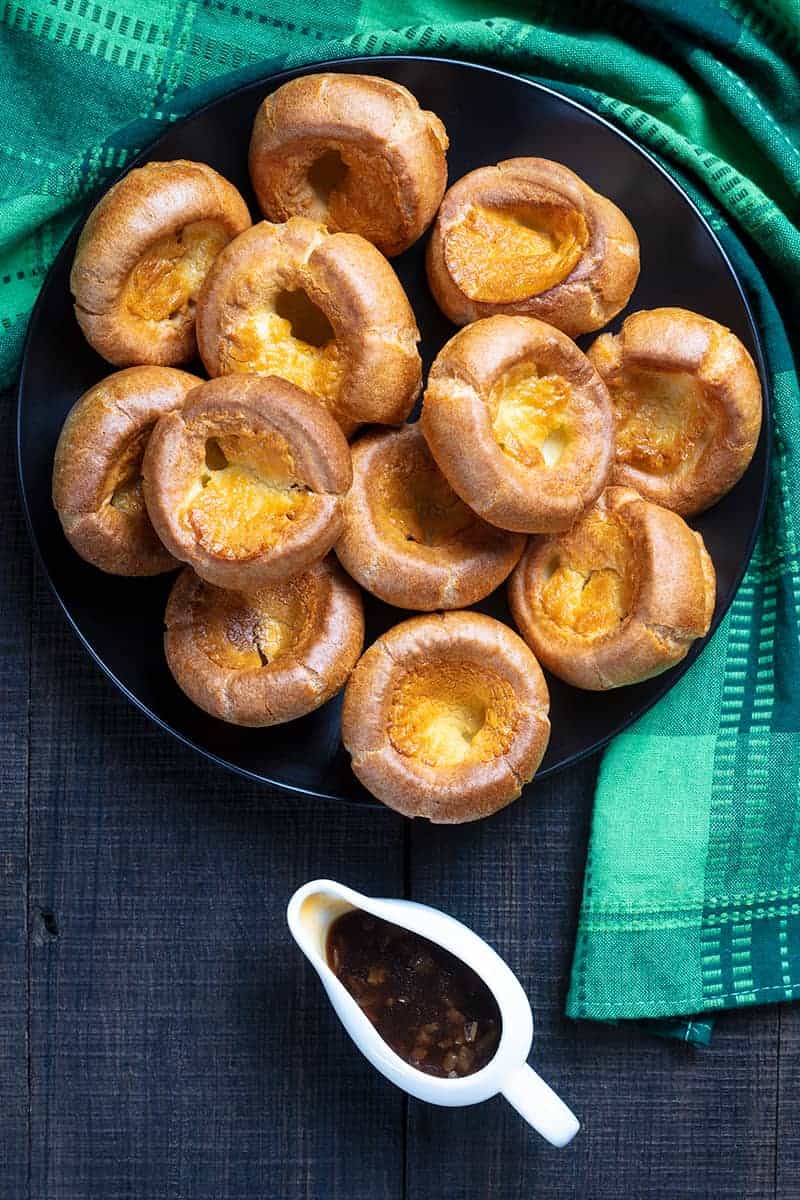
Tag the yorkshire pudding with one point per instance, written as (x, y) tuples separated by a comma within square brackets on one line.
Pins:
[(687, 406), (407, 536), (445, 717), (245, 482), (142, 256), (355, 152), (265, 656), (617, 599), (325, 311), (529, 238), (519, 423), (97, 472)]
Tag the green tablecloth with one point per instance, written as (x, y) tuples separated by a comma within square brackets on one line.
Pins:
[(692, 894)]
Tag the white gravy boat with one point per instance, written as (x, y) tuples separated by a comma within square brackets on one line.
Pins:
[(311, 911)]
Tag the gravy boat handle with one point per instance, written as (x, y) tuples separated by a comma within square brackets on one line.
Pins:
[(536, 1101)]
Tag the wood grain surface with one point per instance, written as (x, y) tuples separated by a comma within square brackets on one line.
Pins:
[(162, 1038)]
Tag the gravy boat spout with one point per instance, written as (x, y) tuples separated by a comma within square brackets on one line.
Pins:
[(311, 912)]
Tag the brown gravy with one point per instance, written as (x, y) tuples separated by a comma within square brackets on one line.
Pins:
[(429, 1006)]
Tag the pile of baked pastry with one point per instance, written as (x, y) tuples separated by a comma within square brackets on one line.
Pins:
[(569, 472)]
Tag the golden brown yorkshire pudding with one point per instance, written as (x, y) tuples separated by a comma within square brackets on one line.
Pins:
[(445, 717), (408, 538), (325, 311), (97, 472), (687, 406), (529, 238), (355, 152), (519, 423), (269, 655), (143, 254), (245, 482), (617, 599)]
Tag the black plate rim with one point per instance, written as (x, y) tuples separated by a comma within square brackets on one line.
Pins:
[(359, 795)]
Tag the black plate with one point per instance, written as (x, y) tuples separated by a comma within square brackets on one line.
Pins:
[(489, 116)]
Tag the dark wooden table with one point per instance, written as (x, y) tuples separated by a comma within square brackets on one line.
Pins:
[(162, 1037)]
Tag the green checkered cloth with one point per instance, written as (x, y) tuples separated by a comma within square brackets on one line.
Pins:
[(692, 895)]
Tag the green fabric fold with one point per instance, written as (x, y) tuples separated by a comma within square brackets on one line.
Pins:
[(692, 893)]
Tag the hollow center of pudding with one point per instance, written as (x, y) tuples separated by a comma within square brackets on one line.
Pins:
[(349, 188), (290, 337), (247, 496), (417, 504), (166, 280), (591, 582), (530, 415), (128, 496), (326, 175), (247, 632), (124, 482), (500, 255), (663, 420), (448, 713)]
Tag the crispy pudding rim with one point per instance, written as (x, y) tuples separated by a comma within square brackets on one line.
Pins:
[(415, 546), (338, 150), (578, 284), (651, 628), (128, 219), (99, 453), (278, 651), (700, 419), (460, 406), (307, 452), (431, 686), (372, 337)]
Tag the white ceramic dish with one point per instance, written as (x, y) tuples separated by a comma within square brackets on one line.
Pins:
[(311, 911)]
